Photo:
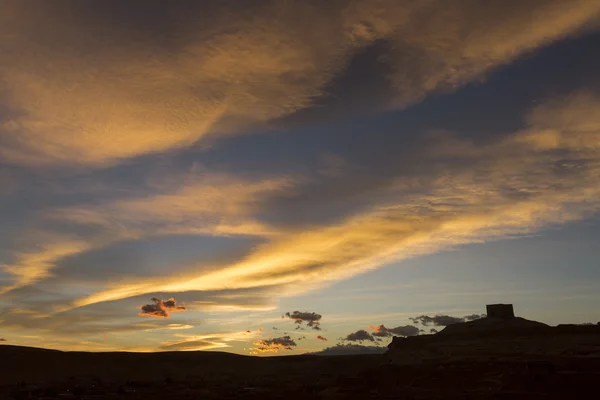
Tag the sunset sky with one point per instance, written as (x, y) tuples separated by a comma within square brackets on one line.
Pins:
[(179, 175)]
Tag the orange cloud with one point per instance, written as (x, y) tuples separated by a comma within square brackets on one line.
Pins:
[(161, 308), (209, 341), (461, 206), (129, 94)]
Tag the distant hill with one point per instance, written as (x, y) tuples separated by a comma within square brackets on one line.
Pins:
[(349, 349)]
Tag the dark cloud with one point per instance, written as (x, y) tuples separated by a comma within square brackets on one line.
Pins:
[(311, 318), (361, 336), (161, 308), (438, 320), (474, 317), (433, 330), (382, 331), (2, 340), (275, 344), (321, 338), (350, 349), (407, 330)]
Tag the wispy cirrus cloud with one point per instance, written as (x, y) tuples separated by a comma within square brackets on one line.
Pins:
[(116, 89), (382, 331), (207, 341), (505, 189), (94, 94)]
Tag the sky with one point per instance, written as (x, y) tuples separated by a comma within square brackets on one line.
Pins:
[(283, 176)]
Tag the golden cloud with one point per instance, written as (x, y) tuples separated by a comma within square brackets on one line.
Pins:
[(34, 263), (510, 188), (83, 88), (210, 203)]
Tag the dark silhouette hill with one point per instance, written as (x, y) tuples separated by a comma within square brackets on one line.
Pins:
[(482, 359)]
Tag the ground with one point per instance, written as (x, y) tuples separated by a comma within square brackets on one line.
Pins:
[(558, 364)]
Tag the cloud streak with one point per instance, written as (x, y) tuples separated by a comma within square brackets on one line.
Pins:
[(207, 341), (115, 89), (312, 319), (510, 188)]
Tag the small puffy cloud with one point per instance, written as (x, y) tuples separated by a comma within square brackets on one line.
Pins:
[(312, 319), (161, 308), (438, 320), (349, 349), (474, 317), (273, 345), (407, 330), (360, 336), (382, 331), (321, 338)]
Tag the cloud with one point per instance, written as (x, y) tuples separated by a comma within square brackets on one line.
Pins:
[(34, 262), (433, 330), (209, 341), (193, 345), (360, 336), (99, 88), (508, 188), (161, 308), (382, 331), (172, 327), (437, 320), (312, 319), (2, 340), (473, 317), (203, 203), (321, 338), (274, 344), (349, 349), (115, 89), (432, 54)]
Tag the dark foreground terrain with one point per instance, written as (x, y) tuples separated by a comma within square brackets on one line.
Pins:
[(467, 362)]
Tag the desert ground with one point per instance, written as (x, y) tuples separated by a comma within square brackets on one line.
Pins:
[(475, 360)]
